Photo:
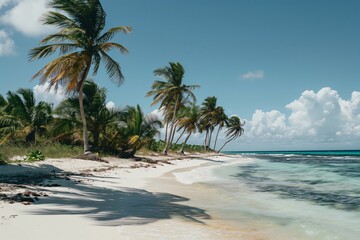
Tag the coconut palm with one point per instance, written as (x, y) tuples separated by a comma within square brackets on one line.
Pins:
[(98, 116), (138, 130), (209, 113), (190, 124), (82, 44), (234, 129), (21, 116), (171, 94), (67, 125)]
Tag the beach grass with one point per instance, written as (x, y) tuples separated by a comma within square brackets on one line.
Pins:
[(49, 150)]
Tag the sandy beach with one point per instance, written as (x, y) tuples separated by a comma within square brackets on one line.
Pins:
[(122, 199)]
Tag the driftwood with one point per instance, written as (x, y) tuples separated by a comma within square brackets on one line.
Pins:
[(91, 157)]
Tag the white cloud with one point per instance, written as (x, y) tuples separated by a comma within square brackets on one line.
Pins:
[(7, 45), (158, 113), (42, 93), (315, 118), (253, 75), (268, 124), (25, 17), (110, 105)]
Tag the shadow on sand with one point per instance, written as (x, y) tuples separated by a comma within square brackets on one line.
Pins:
[(27, 174), (107, 206), (123, 206)]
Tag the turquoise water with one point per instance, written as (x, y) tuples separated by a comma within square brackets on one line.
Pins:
[(312, 152), (290, 195)]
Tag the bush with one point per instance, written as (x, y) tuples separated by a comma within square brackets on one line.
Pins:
[(34, 156)]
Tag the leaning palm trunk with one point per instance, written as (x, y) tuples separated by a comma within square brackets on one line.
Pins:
[(217, 135), (209, 139), (184, 143), (226, 143), (180, 136), (168, 138), (173, 134), (168, 142)]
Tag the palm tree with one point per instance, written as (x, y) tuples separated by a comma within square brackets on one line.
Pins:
[(208, 112), (171, 94), (234, 129), (21, 116), (220, 120), (67, 125), (98, 116), (138, 130), (82, 44), (190, 124)]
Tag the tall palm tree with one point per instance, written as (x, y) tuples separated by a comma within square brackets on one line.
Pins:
[(171, 94), (139, 129), (190, 124), (21, 116), (209, 113), (234, 130), (82, 44)]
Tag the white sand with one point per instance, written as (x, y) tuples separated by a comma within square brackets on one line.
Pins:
[(114, 202)]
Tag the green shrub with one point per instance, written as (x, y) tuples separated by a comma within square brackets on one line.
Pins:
[(34, 156)]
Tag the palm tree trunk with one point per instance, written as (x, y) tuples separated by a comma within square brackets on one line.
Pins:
[(184, 143), (206, 137), (217, 134), (209, 139), (167, 145), (180, 136), (81, 106), (173, 134), (83, 118), (225, 144), (166, 131)]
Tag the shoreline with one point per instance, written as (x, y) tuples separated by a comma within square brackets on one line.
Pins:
[(121, 198)]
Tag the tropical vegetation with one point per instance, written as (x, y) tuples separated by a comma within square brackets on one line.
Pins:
[(21, 116), (172, 94), (84, 119), (82, 45)]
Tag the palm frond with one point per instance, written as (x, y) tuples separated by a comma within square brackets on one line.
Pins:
[(66, 70), (105, 47), (59, 20), (112, 32), (113, 68)]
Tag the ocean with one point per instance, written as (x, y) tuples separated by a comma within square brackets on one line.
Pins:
[(286, 195)]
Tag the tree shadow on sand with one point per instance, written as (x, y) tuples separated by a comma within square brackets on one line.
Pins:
[(111, 206), (27, 174), (122, 206)]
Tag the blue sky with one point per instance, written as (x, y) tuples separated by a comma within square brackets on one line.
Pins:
[(290, 68)]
